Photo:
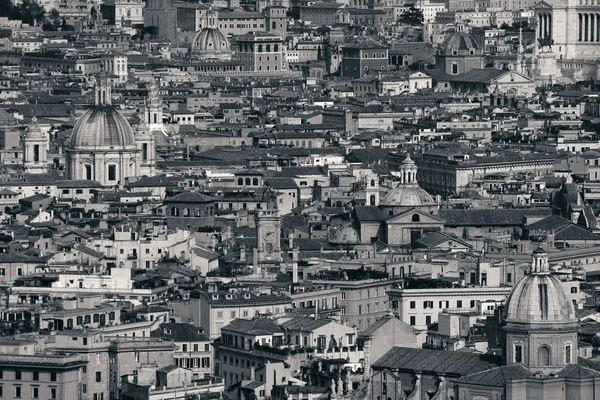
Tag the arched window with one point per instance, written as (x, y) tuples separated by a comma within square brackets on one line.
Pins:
[(128, 13), (247, 181), (401, 272), (186, 212), (240, 181), (544, 355), (372, 182), (276, 47), (255, 182), (174, 212), (260, 48), (372, 200), (416, 218), (568, 353), (196, 212), (304, 143), (268, 48)]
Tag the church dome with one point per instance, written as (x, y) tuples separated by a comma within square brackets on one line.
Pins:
[(102, 126), (210, 43), (408, 196), (408, 193), (459, 42), (539, 297)]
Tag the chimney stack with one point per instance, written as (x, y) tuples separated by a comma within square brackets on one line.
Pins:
[(243, 254), (295, 265), (255, 269)]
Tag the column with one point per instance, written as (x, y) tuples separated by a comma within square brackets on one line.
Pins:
[(586, 27), (540, 26), (592, 27), (580, 27)]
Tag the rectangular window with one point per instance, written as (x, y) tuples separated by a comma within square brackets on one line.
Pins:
[(17, 375), (458, 303), (36, 376), (35, 392), (428, 320), (112, 172), (53, 376), (413, 320), (518, 353), (52, 393), (568, 354), (413, 305), (17, 392), (98, 376), (508, 277)]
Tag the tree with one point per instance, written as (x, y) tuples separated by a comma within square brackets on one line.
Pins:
[(31, 12), (412, 16), (151, 31), (53, 21)]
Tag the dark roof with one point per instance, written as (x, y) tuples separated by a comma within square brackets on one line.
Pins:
[(369, 213), (156, 181), (374, 327), (496, 376), (256, 326), (282, 182), (478, 217), (36, 197), (189, 197), (434, 239), (436, 361), (180, 332), (79, 183), (578, 372)]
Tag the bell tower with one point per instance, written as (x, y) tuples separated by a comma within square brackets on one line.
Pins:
[(35, 149), (268, 231), (154, 109), (146, 144)]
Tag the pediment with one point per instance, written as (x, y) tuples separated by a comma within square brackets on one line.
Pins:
[(409, 217)]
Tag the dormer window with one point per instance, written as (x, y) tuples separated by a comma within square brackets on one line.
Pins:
[(454, 52), (471, 52)]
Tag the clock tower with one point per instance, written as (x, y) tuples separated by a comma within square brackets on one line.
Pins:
[(268, 231)]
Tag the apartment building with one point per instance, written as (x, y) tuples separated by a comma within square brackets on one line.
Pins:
[(214, 310), (193, 348), (421, 307), (27, 374), (362, 301)]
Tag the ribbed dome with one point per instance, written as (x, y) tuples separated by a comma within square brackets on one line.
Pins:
[(539, 298), (210, 43), (459, 41), (102, 127), (408, 196)]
